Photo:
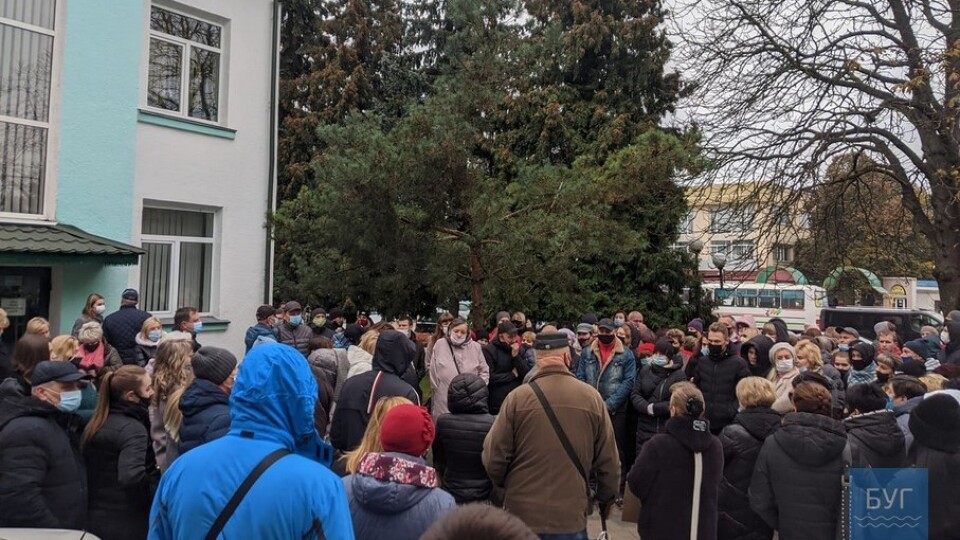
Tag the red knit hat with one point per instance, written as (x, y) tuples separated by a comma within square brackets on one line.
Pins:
[(407, 429)]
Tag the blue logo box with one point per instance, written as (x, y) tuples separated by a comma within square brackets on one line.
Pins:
[(888, 504)]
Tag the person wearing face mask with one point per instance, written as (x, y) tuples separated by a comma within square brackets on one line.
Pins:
[(147, 340), (265, 327), (610, 367), (862, 362), (651, 391), (271, 425), (318, 324), (95, 352), (187, 319), (784, 359), (950, 338), (43, 484), (406, 325), (205, 404), (455, 354), (919, 351), (93, 311), (848, 337), (507, 366), (619, 319), (586, 333), (887, 366), (716, 374), (294, 332), (122, 472)]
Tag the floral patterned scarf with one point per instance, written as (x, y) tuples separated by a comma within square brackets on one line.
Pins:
[(398, 470)]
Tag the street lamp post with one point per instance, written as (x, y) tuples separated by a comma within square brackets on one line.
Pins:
[(720, 260)]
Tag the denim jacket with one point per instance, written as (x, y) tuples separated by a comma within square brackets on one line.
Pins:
[(615, 380)]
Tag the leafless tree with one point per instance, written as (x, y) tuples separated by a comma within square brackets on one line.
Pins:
[(784, 87)]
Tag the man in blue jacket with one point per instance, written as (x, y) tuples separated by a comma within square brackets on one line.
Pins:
[(264, 328), (271, 408), (610, 367)]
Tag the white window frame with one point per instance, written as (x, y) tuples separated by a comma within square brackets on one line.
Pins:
[(49, 194), (738, 245), (686, 223), (175, 242), (152, 34), (781, 249)]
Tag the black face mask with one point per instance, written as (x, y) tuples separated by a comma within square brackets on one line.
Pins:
[(518, 324), (882, 378), (606, 339), (859, 364), (90, 347), (716, 350), (584, 342)]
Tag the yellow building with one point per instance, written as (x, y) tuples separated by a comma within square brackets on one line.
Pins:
[(753, 224)]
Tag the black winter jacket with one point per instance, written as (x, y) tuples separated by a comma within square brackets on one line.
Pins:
[(458, 446), (393, 357), (796, 482), (43, 483), (941, 457), (121, 327), (297, 337), (652, 387), (876, 440), (762, 344), (741, 442), (718, 379), (206, 414), (122, 474), (502, 366), (663, 475)]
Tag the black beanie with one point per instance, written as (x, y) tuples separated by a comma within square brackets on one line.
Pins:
[(935, 423), (213, 364), (354, 332), (665, 347)]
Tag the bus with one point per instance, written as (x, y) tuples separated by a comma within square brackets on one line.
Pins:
[(798, 305)]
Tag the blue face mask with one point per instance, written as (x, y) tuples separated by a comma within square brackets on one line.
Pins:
[(296, 320), (154, 335), (659, 360), (803, 370), (705, 351), (69, 401), (645, 361), (906, 359), (889, 403), (197, 327), (843, 347), (618, 322)]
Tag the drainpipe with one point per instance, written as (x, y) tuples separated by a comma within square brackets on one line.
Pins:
[(272, 173)]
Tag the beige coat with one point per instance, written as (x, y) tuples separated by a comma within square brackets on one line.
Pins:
[(447, 362)]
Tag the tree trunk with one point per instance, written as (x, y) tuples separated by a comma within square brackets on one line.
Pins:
[(947, 272), (476, 290)]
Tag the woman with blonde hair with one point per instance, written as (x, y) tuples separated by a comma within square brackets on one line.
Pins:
[(371, 437), (784, 359), (171, 374), (39, 326), (96, 353), (361, 357), (67, 349), (147, 340), (121, 469)]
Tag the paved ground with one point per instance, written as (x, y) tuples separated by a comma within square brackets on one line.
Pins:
[(616, 529)]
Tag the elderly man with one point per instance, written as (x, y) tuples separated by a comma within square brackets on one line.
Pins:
[(549, 437)]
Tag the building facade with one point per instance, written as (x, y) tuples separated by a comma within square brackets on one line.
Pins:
[(137, 150)]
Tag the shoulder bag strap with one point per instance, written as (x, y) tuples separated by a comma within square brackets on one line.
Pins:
[(567, 446), (241, 492), (453, 356)]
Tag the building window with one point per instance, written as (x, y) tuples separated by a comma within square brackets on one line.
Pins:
[(26, 71), (680, 246), (185, 68), (719, 246), (731, 219), (178, 268), (741, 250), (686, 224), (782, 254)]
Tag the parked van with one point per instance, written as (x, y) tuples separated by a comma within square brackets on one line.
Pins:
[(863, 319)]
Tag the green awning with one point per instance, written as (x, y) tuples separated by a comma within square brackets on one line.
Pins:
[(833, 279), (42, 244), (769, 271)]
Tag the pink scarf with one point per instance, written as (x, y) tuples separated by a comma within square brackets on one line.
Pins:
[(92, 360)]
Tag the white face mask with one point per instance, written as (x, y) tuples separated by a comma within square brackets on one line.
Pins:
[(784, 366), (945, 336), (458, 340), (99, 309)]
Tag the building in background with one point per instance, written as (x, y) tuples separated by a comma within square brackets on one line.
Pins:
[(753, 226), (137, 150)]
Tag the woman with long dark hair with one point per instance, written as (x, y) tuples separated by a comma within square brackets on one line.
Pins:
[(30, 350), (122, 472), (92, 312)]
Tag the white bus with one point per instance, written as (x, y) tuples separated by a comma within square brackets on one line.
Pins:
[(797, 305)]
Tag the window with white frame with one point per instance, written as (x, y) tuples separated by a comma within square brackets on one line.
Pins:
[(782, 253), (741, 250), (177, 269), (185, 68), (686, 224), (719, 246), (27, 36), (731, 219)]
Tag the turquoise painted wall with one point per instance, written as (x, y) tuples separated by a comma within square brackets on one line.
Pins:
[(103, 42)]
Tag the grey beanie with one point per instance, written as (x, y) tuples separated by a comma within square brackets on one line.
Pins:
[(213, 364)]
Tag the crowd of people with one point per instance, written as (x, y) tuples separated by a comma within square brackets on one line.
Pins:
[(334, 429)]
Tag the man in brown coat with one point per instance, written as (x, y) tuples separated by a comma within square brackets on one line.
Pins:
[(524, 456)]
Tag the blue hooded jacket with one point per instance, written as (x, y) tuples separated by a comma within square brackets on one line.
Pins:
[(271, 406)]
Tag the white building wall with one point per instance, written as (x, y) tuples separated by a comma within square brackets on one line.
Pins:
[(193, 169)]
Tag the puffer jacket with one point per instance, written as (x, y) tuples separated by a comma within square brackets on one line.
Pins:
[(458, 447), (951, 353), (257, 331), (717, 378), (43, 484), (120, 329), (271, 406), (297, 337), (902, 412), (796, 482), (394, 355), (741, 442), (615, 380), (360, 361), (146, 350), (938, 451), (762, 345), (335, 365), (206, 414), (506, 372), (122, 474), (395, 496), (876, 440), (652, 388)]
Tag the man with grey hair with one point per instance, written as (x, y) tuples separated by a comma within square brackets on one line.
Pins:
[(551, 435)]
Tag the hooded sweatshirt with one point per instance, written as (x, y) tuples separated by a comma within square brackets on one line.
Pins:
[(271, 407), (876, 440), (663, 480), (864, 371), (360, 393)]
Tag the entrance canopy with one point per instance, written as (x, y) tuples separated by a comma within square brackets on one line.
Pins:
[(44, 244), (833, 279)]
